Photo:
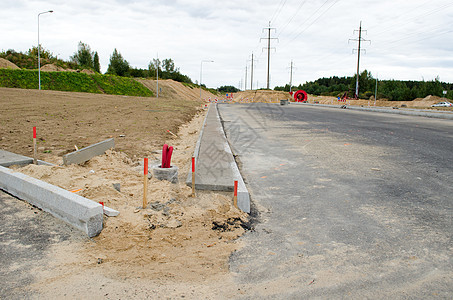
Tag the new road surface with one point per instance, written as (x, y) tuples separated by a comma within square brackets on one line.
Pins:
[(348, 203)]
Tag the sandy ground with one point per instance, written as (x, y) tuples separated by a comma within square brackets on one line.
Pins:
[(64, 119), (176, 243), (276, 96)]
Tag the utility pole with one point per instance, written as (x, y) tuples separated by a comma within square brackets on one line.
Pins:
[(245, 82), (251, 74), (375, 91), (157, 75), (291, 77), (359, 40), (269, 29)]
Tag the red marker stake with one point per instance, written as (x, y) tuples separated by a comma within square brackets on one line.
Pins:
[(145, 183), (235, 198), (193, 176), (35, 155)]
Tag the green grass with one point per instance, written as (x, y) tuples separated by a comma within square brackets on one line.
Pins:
[(73, 82)]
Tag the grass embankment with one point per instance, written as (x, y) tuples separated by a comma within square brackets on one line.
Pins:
[(73, 82)]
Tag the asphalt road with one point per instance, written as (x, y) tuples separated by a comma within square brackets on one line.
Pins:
[(349, 204), (26, 237)]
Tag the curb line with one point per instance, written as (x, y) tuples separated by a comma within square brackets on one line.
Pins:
[(438, 115), (243, 194)]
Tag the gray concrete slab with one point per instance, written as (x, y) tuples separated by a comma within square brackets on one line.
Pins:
[(85, 154), (216, 169), (9, 159), (78, 211)]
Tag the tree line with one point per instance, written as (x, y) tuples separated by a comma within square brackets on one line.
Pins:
[(85, 58), (393, 90)]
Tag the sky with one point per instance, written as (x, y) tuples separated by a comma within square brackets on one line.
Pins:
[(408, 40)]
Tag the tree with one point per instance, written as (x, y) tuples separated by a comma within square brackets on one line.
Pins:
[(228, 89), (83, 57), (168, 65), (96, 64), (43, 53), (118, 65), (153, 66)]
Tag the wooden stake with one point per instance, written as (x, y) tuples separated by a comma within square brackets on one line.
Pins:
[(172, 133), (193, 176), (35, 155), (235, 198), (145, 184)]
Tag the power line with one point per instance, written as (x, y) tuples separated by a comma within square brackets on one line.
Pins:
[(424, 14), (291, 19), (278, 11), (312, 15)]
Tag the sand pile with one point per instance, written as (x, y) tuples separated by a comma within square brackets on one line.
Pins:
[(177, 236), (87, 71), (52, 68), (6, 64), (267, 96), (173, 89)]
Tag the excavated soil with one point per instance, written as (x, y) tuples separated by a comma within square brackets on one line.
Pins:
[(177, 242)]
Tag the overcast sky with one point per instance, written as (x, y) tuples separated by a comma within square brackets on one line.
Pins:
[(409, 39)]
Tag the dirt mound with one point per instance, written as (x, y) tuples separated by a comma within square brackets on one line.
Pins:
[(52, 68), (267, 96), (87, 71), (169, 88), (6, 64)]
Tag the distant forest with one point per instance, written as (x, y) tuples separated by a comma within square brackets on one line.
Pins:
[(393, 90)]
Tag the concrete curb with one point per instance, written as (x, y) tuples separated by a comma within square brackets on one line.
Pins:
[(80, 212), (8, 159), (196, 150), (85, 154), (243, 194), (414, 112)]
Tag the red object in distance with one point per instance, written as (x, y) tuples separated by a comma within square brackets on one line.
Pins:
[(300, 96), (34, 132)]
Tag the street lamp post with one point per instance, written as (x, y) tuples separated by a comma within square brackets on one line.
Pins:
[(39, 55), (201, 71)]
